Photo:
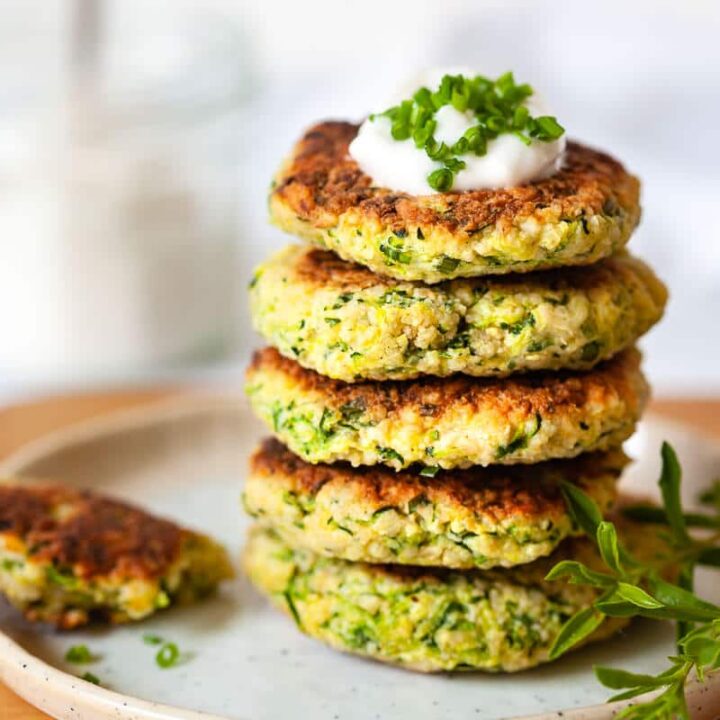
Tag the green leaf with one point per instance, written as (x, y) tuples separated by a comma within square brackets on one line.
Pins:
[(669, 705), (619, 679), (686, 580), (638, 709), (676, 614), (579, 574), (682, 601), (608, 545), (637, 596), (627, 600), (704, 650), (653, 514), (583, 509), (617, 608), (709, 556), (669, 482), (711, 496), (576, 629), (642, 592)]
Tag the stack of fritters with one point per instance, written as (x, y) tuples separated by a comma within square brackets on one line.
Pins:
[(431, 395)]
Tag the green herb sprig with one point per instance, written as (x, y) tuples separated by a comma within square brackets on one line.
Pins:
[(497, 105), (630, 588)]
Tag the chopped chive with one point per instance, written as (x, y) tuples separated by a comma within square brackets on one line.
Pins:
[(79, 654), (447, 264), (430, 471), (547, 128), (395, 254), (168, 655), (89, 677), (387, 454), (151, 639), (497, 105), (62, 578), (441, 179)]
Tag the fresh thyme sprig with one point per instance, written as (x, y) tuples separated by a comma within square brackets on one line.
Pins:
[(630, 588), (497, 105)]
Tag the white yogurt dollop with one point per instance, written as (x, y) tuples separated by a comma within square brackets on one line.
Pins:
[(399, 165)]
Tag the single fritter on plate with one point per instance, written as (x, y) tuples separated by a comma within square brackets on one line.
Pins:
[(480, 517), (68, 556), (348, 323), (433, 620), (583, 213), (447, 422)]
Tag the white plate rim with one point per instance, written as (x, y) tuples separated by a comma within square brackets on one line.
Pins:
[(66, 697)]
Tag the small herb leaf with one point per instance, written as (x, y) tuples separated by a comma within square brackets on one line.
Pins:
[(620, 679), (582, 508), (579, 574), (576, 629), (608, 545), (669, 483)]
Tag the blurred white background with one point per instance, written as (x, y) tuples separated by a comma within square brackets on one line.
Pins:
[(137, 144)]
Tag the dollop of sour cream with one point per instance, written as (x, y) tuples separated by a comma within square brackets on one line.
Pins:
[(399, 165)]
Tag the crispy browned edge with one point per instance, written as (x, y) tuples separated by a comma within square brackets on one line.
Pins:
[(495, 492), (546, 393), (321, 181), (318, 268), (100, 537)]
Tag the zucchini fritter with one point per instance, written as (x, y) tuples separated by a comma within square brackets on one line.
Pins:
[(67, 556), (481, 517), (452, 422), (433, 620), (350, 324), (583, 213)]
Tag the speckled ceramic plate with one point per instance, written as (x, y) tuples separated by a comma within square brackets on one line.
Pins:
[(247, 662)]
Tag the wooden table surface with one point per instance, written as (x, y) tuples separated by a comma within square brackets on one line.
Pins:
[(21, 423)]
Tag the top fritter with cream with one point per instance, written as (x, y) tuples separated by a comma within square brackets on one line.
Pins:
[(584, 212)]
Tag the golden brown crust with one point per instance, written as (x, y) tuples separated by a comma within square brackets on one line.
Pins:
[(319, 268), (544, 393), (321, 181), (322, 268), (93, 535), (495, 492)]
